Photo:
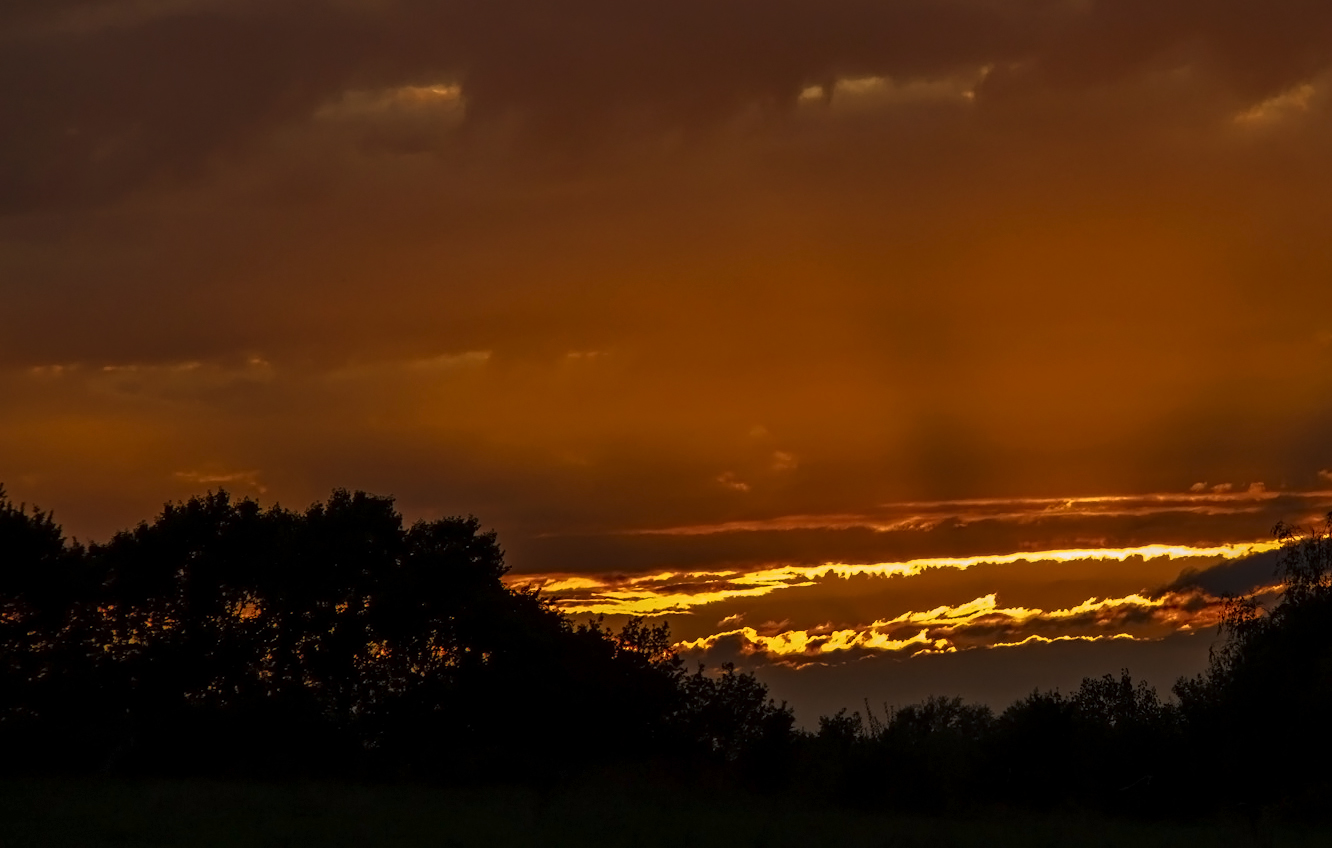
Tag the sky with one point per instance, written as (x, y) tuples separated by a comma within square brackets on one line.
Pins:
[(882, 347)]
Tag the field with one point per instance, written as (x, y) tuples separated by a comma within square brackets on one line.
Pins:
[(162, 814)]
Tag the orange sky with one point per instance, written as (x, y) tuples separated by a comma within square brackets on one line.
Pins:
[(690, 286)]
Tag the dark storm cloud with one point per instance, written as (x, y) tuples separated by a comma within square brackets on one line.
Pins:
[(1254, 49), (108, 97), (109, 107), (114, 95)]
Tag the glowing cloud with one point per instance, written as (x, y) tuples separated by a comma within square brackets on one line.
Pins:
[(979, 623), (679, 591)]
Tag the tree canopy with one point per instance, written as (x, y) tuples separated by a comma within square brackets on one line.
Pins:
[(226, 636)]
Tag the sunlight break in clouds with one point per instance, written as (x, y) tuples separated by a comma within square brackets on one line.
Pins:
[(672, 592), (980, 623)]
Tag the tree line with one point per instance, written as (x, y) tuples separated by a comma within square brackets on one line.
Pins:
[(225, 638), (228, 639)]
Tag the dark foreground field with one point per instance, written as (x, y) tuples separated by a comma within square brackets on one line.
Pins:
[(88, 814)]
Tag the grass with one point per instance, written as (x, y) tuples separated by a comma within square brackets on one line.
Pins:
[(198, 814)]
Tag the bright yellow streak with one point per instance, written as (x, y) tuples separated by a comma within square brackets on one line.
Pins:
[(802, 642), (571, 583), (939, 628), (1043, 640), (653, 594), (656, 603), (916, 566)]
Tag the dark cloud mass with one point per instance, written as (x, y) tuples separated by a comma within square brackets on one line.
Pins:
[(120, 93), (113, 95), (694, 286)]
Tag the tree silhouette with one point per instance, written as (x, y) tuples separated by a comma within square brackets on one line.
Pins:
[(44, 598), (225, 637), (1269, 686), (730, 717)]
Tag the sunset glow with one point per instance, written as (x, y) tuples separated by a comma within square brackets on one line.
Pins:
[(867, 345)]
